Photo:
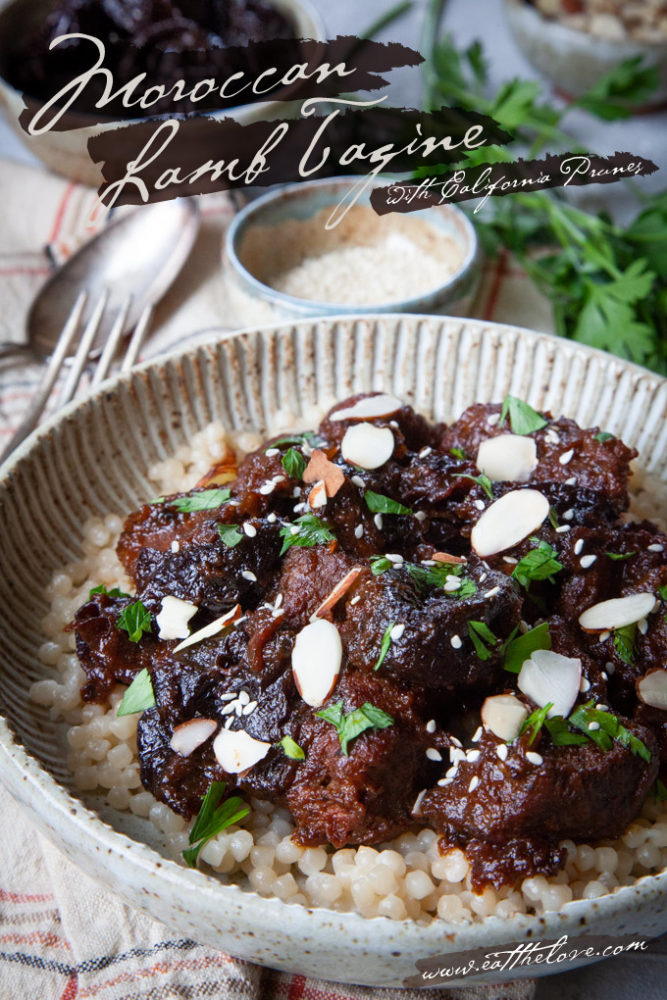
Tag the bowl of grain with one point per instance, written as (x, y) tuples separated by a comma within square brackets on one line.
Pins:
[(283, 258), (72, 766)]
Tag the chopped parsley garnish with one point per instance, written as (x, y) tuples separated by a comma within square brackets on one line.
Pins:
[(624, 643), (293, 463), (482, 481), (619, 556), (139, 696), (523, 418), (230, 534), (311, 530), (610, 729), (135, 619), (603, 436), (380, 564), (379, 504), (101, 589), (553, 517), (518, 650), (355, 722), (436, 575), (458, 453), (660, 792), (482, 638), (662, 592), (308, 437), (562, 735), (384, 646), (213, 818), (203, 500), (467, 589), (538, 564), (534, 722), (290, 748)]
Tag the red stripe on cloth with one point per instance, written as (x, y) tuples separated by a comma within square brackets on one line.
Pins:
[(206, 962), (297, 987), (60, 214), (500, 273), (72, 988), (24, 897), (41, 937), (10, 272)]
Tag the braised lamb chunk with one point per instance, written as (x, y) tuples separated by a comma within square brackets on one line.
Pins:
[(581, 792), (435, 650), (105, 652), (595, 471), (309, 575), (412, 432), (367, 795)]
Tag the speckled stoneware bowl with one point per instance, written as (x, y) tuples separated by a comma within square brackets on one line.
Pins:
[(287, 226), (93, 458), (66, 153)]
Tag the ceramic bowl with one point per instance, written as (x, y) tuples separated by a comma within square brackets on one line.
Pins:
[(575, 60), (92, 459), (66, 153), (285, 227)]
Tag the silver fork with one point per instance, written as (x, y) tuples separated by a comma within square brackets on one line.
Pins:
[(81, 359)]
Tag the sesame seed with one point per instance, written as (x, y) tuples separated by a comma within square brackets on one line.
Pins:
[(430, 726), (425, 451), (397, 632), (602, 708), (511, 560), (175, 545), (270, 452), (452, 583), (249, 529), (477, 735), (493, 419), (479, 504), (562, 529), (359, 531), (474, 782), (228, 696), (420, 515), (456, 641), (578, 546), (271, 518), (296, 492), (604, 675), (433, 754), (656, 547), (355, 600), (643, 626), (392, 423), (455, 741), (278, 479), (566, 456), (278, 601), (568, 515), (299, 508), (456, 754), (584, 685), (482, 577), (587, 561), (358, 481), (534, 758), (244, 697), (445, 781), (604, 635), (248, 574), (393, 558), (250, 707), (267, 488), (229, 721), (277, 612), (501, 751), (238, 708), (295, 529), (492, 592), (451, 773), (428, 562), (593, 726), (378, 521), (473, 755), (552, 437), (231, 707), (572, 481)]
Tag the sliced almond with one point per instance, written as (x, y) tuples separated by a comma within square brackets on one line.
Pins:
[(507, 458), (321, 469), (445, 557), (550, 677), (212, 629), (503, 714), (318, 496), (618, 612), (191, 734), (381, 405), (341, 588), (237, 751), (173, 617), (508, 521), (367, 446), (652, 688), (316, 660)]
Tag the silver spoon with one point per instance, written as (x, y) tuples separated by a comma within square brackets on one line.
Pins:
[(137, 256)]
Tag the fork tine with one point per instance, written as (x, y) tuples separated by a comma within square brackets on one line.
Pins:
[(45, 387), (111, 345), (137, 339), (83, 350)]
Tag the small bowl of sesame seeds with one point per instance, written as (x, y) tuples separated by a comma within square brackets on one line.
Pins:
[(283, 258)]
